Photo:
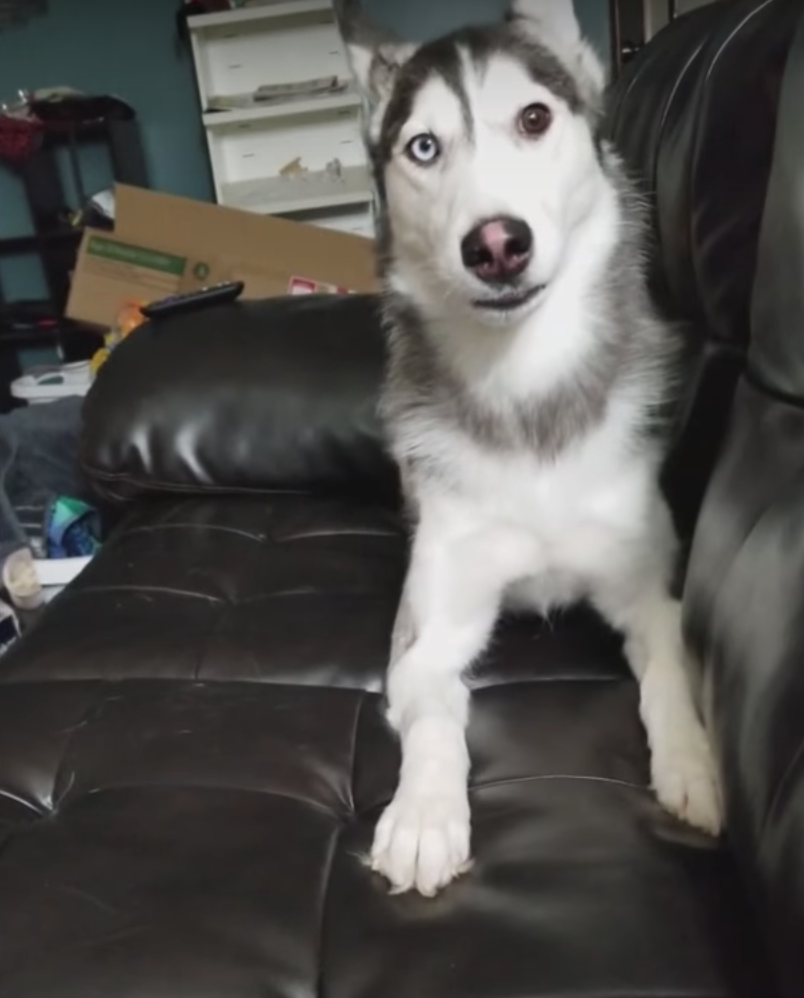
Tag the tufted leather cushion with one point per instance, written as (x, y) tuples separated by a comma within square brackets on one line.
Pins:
[(193, 757)]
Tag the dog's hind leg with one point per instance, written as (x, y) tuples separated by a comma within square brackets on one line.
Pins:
[(449, 607), (683, 770)]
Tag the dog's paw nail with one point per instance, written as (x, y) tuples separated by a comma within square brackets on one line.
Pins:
[(422, 842)]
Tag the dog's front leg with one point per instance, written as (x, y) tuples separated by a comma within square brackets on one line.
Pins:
[(683, 769), (449, 606)]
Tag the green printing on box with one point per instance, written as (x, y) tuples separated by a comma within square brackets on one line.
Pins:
[(136, 256)]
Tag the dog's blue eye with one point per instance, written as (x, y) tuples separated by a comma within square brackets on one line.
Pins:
[(423, 148)]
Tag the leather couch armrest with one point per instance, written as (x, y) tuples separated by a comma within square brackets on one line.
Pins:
[(267, 395)]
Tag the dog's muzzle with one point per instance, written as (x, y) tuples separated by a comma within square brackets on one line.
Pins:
[(509, 302)]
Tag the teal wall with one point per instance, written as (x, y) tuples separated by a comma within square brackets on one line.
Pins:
[(123, 47), (129, 48)]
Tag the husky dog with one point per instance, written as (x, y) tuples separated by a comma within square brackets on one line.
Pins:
[(525, 372)]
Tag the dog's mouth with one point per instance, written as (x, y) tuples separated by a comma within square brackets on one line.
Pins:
[(509, 302)]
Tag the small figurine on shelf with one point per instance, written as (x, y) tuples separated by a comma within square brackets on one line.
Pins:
[(334, 169)]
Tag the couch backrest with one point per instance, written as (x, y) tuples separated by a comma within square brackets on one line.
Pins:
[(744, 594), (694, 117)]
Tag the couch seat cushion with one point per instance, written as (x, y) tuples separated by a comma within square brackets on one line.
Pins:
[(193, 757)]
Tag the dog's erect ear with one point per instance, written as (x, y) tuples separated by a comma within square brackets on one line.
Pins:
[(554, 23), (375, 68), (374, 54)]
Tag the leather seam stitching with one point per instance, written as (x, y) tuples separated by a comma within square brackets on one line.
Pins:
[(781, 786), (569, 777), (353, 751), (758, 383), (329, 867), (93, 707)]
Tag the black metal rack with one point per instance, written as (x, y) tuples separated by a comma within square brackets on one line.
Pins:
[(55, 239)]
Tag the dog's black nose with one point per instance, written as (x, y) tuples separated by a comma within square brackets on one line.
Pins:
[(497, 250)]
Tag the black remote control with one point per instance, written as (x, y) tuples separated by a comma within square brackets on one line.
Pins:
[(216, 294)]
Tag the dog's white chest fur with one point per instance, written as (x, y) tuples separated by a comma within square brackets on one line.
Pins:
[(563, 522)]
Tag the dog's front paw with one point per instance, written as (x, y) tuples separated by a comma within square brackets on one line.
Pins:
[(686, 782), (422, 840)]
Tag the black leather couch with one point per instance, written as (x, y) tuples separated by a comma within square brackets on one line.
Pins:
[(192, 750)]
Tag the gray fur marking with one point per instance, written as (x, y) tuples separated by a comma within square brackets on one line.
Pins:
[(442, 58), (631, 345)]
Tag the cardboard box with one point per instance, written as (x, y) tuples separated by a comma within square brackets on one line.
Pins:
[(162, 244)]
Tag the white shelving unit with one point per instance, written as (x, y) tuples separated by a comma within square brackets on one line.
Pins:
[(298, 154)]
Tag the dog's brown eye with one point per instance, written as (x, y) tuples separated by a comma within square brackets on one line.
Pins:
[(535, 119)]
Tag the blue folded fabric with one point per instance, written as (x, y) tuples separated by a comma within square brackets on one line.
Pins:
[(72, 528)]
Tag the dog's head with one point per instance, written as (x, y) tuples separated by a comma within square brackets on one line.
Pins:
[(485, 154)]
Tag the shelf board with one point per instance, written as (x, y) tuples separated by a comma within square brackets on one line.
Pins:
[(250, 15), (12, 245), (282, 196), (282, 109)]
